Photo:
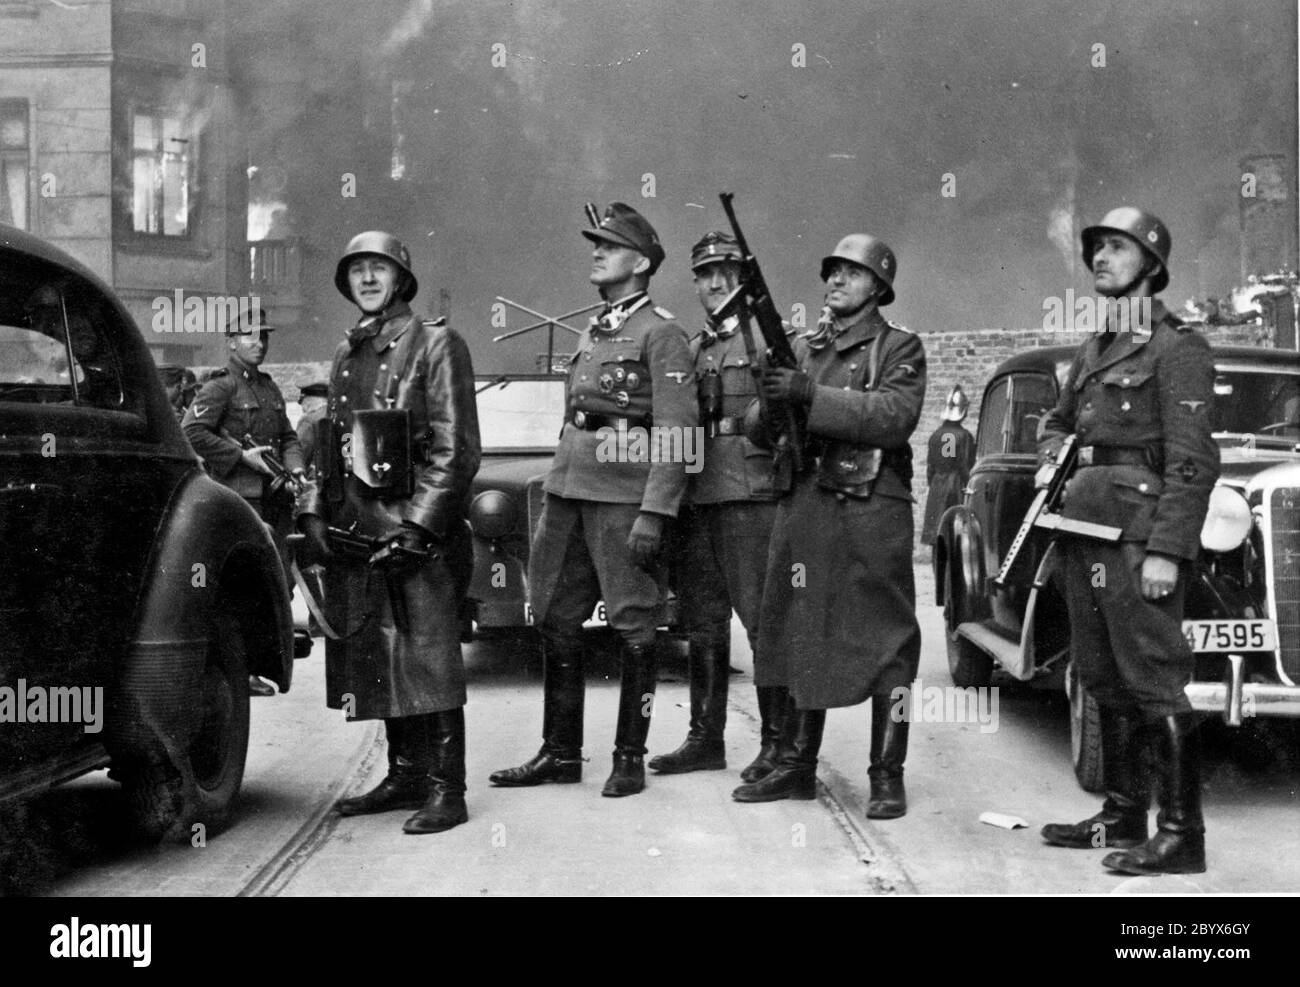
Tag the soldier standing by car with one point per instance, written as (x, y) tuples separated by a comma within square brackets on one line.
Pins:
[(725, 527), (838, 622), (241, 401), (399, 447), (950, 454), (602, 524), (1138, 400)]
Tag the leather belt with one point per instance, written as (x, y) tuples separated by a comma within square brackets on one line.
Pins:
[(590, 421), (1113, 456)]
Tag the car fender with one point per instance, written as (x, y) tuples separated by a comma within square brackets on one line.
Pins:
[(959, 557), (210, 545)]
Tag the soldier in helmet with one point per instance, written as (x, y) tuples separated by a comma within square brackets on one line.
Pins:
[(838, 623), (1138, 400), (950, 455), (395, 455), (237, 401), (724, 530), (602, 525)]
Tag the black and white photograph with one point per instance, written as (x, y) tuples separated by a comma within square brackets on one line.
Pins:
[(614, 448)]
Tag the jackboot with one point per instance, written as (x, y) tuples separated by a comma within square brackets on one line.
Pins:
[(635, 702), (703, 749), (406, 785), (887, 799), (1122, 821), (563, 695), (1178, 847), (445, 806), (771, 712), (795, 774)]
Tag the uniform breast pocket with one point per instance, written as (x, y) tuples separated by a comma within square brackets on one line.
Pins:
[(240, 417), (621, 376), (1129, 393)]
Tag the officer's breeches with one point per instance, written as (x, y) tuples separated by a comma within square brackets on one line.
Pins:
[(723, 562)]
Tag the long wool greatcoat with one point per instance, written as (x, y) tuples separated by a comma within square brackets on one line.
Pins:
[(951, 454), (381, 672), (839, 603)]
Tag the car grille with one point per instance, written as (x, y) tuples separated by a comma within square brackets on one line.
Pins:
[(1283, 563)]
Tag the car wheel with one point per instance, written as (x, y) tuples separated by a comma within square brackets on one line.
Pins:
[(1085, 733), (968, 665), (199, 784)]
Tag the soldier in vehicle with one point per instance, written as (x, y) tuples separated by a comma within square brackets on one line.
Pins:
[(237, 401), (602, 525), (838, 622), (725, 527), (396, 454), (1138, 398)]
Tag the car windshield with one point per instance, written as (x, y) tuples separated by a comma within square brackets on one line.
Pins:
[(1257, 408), (520, 412)]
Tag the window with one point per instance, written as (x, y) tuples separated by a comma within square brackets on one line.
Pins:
[(1032, 397), (15, 158), (164, 156), (993, 418)]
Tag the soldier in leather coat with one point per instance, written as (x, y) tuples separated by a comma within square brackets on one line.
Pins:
[(838, 623), (396, 454), (1139, 399)]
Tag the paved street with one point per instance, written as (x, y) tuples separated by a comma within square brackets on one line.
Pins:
[(684, 835)]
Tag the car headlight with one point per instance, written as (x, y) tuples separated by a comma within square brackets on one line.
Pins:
[(493, 514), (1227, 522)]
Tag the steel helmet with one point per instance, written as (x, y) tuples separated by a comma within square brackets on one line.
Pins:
[(1151, 235), (379, 244), (958, 405), (870, 252)]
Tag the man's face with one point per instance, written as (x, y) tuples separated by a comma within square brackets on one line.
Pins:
[(716, 281), (310, 404), (251, 347), (1117, 263), (849, 287), (612, 264), (374, 282)]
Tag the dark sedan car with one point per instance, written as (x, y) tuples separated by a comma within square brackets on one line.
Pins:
[(136, 593), (1243, 605)]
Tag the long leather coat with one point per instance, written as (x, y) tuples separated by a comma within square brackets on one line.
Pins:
[(381, 671)]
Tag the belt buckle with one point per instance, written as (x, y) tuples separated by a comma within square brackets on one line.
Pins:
[(1085, 455), (580, 419)]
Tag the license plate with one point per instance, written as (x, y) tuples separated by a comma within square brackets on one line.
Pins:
[(1210, 636)]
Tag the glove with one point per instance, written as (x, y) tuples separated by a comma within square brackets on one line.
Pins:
[(407, 549), (316, 549), (784, 384), (645, 540)]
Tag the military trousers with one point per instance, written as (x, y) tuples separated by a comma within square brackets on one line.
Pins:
[(578, 557), (721, 564), (1129, 651)]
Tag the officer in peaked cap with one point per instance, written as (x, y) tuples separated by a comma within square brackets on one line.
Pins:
[(237, 401), (726, 524), (1138, 399), (602, 524)]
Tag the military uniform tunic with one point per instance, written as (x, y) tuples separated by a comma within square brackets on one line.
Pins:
[(838, 623), (632, 370), (382, 671), (726, 525), (1140, 408)]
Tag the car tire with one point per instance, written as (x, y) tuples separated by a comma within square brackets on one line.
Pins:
[(199, 784), (1085, 734), (968, 665)]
